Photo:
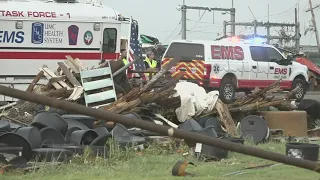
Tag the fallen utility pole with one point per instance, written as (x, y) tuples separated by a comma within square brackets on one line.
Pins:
[(184, 9), (163, 130), (314, 23)]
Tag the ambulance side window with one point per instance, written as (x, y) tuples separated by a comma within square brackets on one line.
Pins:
[(274, 55), (186, 51), (109, 40), (259, 54)]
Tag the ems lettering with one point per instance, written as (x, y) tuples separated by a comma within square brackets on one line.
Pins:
[(282, 71), (11, 37), (12, 13), (227, 52)]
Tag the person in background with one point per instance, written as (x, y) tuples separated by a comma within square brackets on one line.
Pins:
[(150, 62), (123, 56)]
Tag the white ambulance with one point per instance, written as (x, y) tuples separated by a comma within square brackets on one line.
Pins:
[(37, 33), (232, 65)]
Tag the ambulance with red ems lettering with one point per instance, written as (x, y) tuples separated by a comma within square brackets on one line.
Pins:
[(232, 65), (37, 33)]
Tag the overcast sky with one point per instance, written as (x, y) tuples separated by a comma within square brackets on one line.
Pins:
[(160, 18)]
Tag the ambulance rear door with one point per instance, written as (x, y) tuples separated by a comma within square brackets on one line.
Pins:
[(191, 64), (111, 41)]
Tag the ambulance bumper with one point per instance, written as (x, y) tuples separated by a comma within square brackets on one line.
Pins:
[(206, 83)]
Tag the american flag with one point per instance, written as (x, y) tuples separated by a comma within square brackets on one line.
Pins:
[(135, 52)]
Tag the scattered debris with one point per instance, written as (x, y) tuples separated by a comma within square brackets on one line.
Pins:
[(164, 100), (246, 170)]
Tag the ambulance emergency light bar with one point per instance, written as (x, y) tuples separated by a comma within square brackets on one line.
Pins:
[(255, 40)]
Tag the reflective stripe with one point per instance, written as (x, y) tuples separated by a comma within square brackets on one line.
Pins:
[(125, 61), (152, 64)]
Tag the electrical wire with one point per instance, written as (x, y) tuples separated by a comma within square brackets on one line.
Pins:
[(198, 20), (177, 35), (219, 23), (173, 32), (276, 14)]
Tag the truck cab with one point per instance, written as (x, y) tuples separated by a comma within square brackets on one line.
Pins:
[(232, 65)]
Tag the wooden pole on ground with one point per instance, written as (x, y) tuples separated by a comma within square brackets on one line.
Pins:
[(163, 130)]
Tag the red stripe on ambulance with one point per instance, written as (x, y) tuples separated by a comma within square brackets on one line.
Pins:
[(56, 55)]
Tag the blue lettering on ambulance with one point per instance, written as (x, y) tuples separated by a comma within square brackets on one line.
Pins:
[(11, 37)]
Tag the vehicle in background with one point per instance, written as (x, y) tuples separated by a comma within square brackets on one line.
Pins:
[(231, 65), (37, 33)]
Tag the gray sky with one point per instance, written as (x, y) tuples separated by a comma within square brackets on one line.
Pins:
[(159, 18)]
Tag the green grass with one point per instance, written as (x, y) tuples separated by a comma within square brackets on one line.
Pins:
[(155, 163)]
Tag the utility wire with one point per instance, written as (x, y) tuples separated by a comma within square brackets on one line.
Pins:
[(198, 20), (173, 32)]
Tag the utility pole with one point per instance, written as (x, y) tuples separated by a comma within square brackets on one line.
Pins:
[(184, 9), (268, 25), (297, 30), (183, 21), (314, 23)]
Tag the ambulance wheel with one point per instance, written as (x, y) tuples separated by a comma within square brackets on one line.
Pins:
[(227, 90), (299, 95)]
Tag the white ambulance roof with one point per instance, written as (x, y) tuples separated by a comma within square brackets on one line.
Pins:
[(77, 11), (225, 42)]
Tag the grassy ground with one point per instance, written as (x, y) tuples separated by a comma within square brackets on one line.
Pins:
[(156, 164)]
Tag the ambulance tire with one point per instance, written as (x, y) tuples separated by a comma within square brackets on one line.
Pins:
[(300, 94), (227, 90)]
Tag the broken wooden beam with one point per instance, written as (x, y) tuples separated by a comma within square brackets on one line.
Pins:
[(35, 81), (56, 79), (68, 74)]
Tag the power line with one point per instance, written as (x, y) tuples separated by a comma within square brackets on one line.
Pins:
[(198, 20), (177, 35), (172, 32)]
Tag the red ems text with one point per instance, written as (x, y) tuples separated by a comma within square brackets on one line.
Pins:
[(28, 14), (227, 52), (282, 71)]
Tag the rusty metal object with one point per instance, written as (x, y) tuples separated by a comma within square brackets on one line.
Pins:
[(163, 130), (293, 123)]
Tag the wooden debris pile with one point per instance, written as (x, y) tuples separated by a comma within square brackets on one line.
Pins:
[(258, 100), (66, 83), (160, 98), (263, 98)]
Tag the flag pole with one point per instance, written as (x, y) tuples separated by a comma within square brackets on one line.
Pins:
[(129, 39)]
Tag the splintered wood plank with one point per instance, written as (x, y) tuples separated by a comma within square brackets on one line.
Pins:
[(69, 63), (62, 83), (74, 63), (35, 81), (77, 60), (54, 84), (68, 74), (76, 94), (56, 79)]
